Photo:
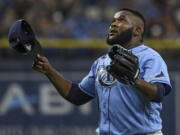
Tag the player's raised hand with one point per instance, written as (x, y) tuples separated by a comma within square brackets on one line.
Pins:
[(41, 64)]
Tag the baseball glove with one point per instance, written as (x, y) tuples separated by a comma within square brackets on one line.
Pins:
[(124, 65)]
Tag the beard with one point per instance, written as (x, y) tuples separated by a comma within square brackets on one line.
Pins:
[(122, 38)]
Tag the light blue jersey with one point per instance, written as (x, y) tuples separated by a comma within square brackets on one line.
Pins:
[(123, 109)]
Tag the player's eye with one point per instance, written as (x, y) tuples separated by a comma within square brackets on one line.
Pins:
[(121, 19)]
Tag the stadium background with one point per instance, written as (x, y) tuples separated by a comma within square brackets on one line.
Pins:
[(72, 34)]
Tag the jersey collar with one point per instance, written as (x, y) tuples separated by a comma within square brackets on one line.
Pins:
[(139, 48)]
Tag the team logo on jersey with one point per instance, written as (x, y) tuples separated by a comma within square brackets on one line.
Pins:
[(104, 78)]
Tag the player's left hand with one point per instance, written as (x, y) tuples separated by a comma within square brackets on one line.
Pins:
[(124, 65)]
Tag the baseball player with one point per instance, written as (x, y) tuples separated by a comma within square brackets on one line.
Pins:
[(129, 81)]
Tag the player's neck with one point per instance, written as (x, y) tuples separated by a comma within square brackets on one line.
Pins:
[(132, 45)]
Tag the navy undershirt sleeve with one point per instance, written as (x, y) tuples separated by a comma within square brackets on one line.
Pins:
[(161, 90), (76, 96)]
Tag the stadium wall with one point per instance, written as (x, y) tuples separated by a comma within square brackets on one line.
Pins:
[(29, 104)]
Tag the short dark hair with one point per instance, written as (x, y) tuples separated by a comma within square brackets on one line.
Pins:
[(138, 14)]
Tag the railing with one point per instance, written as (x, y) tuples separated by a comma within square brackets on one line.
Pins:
[(97, 43)]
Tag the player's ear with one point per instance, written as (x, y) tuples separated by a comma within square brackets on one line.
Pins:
[(137, 31)]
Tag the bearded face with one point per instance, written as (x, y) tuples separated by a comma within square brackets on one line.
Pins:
[(121, 38)]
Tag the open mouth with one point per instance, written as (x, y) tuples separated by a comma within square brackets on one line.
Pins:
[(113, 32)]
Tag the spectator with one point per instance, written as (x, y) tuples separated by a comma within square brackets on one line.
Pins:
[(86, 18)]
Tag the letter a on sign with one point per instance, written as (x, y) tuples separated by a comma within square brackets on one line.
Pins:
[(15, 96)]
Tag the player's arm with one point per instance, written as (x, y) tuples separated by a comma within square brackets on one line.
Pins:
[(153, 91), (66, 88), (125, 68)]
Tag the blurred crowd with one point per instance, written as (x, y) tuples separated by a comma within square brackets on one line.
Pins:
[(88, 18)]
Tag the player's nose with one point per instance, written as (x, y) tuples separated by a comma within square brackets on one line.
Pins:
[(113, 27), (114, 24)]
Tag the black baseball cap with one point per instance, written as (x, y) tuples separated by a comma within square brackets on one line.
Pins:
[(22, 38)]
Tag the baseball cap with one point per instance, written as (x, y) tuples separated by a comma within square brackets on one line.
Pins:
[(22, 38)]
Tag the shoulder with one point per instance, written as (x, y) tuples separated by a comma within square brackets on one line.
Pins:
[(152, 52), (103, 57), (153, 55), (145, 52), (148, 57), (100, 61)]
